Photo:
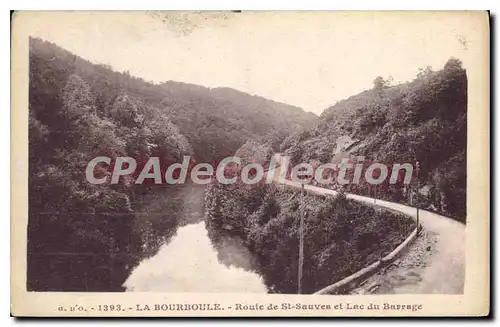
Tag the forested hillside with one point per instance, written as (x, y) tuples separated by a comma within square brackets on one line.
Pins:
[(88, 237), (424, 120), (215, 121)]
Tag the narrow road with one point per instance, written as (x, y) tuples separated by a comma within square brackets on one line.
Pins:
[(433, 263)]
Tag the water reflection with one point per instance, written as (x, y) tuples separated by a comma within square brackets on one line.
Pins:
[(188, 263)]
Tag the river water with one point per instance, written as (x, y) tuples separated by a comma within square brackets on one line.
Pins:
[(190, 263)]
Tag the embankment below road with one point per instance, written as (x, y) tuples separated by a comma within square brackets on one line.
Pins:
[(435, 264)]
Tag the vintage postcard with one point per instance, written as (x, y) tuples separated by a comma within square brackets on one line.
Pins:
[(250, 164)]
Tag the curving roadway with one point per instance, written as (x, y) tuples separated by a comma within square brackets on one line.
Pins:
[(433, 263)]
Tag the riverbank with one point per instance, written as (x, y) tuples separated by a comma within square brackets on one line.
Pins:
[(341, 235)]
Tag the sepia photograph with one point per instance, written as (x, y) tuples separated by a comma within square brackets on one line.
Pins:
[(262, 159)]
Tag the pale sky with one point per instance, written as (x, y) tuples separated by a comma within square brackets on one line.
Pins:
[(306, 59)]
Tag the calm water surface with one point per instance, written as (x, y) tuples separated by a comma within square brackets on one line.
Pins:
[(189, 263)]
